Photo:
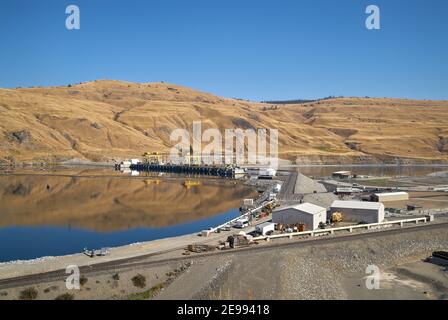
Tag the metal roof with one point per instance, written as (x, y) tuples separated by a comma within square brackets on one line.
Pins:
[(357, 205), (264, 224), (392, 193), (305, 207)]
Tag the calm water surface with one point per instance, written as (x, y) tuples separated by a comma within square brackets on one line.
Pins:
[(61, 211), (56, 212)]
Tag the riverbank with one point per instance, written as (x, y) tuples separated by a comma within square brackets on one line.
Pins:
[(153, 247), (52, 263), (322, 268)]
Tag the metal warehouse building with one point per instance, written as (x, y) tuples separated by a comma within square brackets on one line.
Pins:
[(342, 174), (391, 196), (307, 213), (359, 211)]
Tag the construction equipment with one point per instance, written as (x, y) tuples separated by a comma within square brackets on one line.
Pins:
[(336, 217), (239, 240), (199, 248), (153, 158), (191, 183), (152, 181), (270, 206)]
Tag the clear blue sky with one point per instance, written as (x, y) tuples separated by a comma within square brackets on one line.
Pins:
[(251, 49)]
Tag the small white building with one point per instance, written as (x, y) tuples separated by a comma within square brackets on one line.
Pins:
[(348, 190), (342, 174), (267, 173), (391, 196), (307, 213), (359, 211)]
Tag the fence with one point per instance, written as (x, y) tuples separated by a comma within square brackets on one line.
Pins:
[(347, 228), (229, 223)]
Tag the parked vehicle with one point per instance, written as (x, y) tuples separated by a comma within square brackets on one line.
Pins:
[(272, 196), (277, 188), (264, 228), (99, 252), (242, 223)]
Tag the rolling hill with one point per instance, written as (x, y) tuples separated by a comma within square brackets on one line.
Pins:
[(106, 121)]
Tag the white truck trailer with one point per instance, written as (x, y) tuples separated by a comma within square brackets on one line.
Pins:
[(264, 228)]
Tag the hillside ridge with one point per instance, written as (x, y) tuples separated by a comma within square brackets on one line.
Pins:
[(109, 120)]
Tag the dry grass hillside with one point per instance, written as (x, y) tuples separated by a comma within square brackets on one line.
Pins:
[(111, 120)]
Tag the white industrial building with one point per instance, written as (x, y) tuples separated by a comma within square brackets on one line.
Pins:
[(267, 173), (307, 213), (342, 174), (391, 196), (359, 211)]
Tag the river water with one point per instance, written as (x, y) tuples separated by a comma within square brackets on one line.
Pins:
[(61, 211)]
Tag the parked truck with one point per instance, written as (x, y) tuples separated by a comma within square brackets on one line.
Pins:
[(265, 228), (241, 223)]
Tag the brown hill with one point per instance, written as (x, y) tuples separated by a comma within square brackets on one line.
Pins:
[(110, 120)]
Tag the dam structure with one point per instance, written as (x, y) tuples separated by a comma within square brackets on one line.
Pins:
[(225, 172)]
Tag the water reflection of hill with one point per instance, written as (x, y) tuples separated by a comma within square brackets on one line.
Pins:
[(111, 203)]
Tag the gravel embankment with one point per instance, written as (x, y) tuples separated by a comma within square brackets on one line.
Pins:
[(318, 272)]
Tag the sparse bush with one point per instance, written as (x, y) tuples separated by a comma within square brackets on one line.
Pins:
[(148, 294), (83, 280), (441, 144), (116, 276), (28, 294), (139, 281), (65, 296), (3, 294), (52, 288)]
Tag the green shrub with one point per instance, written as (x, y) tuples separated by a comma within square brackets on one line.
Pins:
[(148, 294), (116, 277)]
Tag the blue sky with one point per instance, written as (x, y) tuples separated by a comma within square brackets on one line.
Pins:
[(251, 49)]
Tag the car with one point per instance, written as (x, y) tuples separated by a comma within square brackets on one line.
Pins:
[(241, 223)]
